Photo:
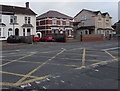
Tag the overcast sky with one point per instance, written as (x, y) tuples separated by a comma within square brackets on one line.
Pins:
[(69, 7)]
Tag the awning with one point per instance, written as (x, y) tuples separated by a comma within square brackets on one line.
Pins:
[(27, 25)]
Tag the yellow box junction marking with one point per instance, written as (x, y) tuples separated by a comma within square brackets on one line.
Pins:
[(75, 49), (6, 83), (17, 59), (83, 60), (21, 61), (25, 82), (101, 62), (32, 80), (18, 82), (12, 55), (10, 73), (83, 57), (110, 54)]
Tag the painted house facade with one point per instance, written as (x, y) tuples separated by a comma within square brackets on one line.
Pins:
[(16, 20), (53, 22), (93, 22)]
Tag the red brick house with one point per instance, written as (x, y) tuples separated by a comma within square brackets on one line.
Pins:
[(53, 22)]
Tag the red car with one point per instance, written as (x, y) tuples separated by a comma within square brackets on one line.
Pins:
[(47, 38), (35, 38)]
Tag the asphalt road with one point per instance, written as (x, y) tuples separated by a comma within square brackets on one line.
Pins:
[(51, 65)]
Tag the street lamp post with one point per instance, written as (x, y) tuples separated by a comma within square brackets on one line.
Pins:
[(45, 26), (13, 19)]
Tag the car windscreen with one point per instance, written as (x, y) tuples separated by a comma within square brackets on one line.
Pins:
[(36, 36)]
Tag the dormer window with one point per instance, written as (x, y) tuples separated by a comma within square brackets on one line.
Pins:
[(107, 18)]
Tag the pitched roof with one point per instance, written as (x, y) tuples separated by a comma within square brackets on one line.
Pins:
[(93, 12), (114, 26), (6, 9), (54, 14)]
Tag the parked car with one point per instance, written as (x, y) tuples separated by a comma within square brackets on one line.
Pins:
[(14, 39), (47, 38), (35, 38)]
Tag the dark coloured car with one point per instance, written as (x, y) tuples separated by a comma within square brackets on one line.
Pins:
[(47, 38), (14, 39)]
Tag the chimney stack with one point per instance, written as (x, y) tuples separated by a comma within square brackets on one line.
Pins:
[(27, 4)]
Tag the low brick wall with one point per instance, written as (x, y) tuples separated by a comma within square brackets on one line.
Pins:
[(86, 38)]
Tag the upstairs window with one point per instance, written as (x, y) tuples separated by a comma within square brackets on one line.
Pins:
[(99, 17), (54, 21), (13, 19), (61, 22), (83, 18), (27, 20), (107, 25), (107, 18), (0, 32), (67, 22), (99, 24), (0, 18)]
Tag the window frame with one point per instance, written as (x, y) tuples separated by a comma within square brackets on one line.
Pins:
[(54, 21), (29, 20), (61, 22), (0, 32), (83, 18), (0, 18), (13, 19), (67, 22), (25, 18)]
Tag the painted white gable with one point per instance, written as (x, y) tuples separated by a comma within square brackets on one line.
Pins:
[(21, 27)]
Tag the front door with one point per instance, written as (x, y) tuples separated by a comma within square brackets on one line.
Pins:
[(17, 32)]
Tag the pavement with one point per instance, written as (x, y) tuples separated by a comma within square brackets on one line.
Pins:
[(51, 65)]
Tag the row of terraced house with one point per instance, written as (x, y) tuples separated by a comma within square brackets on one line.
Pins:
[(22, 21)]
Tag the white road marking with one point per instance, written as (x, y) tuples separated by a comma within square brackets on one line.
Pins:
[(111, 48)]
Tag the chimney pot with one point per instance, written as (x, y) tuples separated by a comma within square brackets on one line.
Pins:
[(27, 4)]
